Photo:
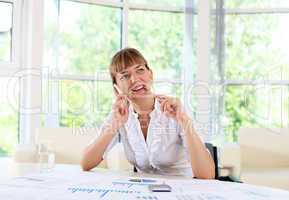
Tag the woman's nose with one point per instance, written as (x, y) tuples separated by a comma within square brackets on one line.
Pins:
[(133, 78)]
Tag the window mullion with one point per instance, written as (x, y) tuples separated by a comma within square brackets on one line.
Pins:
[(248, 11), (52, 111), (203, 107), (256, 82), (220, 41), (30, 75), (101, 2), (154, 7), (16, 34), (187, 69), (124, 24)]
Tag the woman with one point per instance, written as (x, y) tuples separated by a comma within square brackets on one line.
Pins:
[(157, 134)]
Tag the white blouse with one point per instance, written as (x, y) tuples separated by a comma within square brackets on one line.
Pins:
[(164, 151)]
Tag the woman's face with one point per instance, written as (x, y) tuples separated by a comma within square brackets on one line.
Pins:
[(135, 81)]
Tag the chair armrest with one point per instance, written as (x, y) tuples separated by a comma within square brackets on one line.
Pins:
[(230, 160)]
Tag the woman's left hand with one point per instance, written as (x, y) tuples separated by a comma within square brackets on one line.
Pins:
[(172, 107)]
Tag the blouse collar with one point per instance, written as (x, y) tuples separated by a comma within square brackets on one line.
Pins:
[(154, 112)]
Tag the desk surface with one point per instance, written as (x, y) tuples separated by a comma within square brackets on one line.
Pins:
[(69, 182)]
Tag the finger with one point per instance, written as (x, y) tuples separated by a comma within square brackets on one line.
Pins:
[(127, 101), (117, 89), (115, 92), (163, 105), (161, 98), (118, 112), (173, 106), (121, 96), (124, 108), (120, 105), (167, 111), (167, 107), (124, 111), (120, 92), (121, 99)]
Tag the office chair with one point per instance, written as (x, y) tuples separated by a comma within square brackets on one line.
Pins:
[(214, 153)]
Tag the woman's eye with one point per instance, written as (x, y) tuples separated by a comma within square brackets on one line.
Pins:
[(124, 77), (140, 70)]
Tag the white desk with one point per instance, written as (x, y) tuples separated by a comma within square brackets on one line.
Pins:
[(10, 169), (69, 182)]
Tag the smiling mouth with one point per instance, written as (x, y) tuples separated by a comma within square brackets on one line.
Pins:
[(138, 88)]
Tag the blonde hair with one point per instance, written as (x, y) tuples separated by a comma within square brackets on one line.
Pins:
[(124, 59)]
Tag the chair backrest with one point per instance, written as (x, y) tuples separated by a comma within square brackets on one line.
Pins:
[(67, 143), (214, 153)]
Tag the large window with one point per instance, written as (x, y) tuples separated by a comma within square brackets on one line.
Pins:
[(88, 35), (9, 84), (162, 44), (9, 101), (247, 82), (80, 40), (5, 31), (255, 65)]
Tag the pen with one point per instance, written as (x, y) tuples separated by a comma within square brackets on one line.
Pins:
[(140, 180), (117, 89), (120, 92), (29, 178)]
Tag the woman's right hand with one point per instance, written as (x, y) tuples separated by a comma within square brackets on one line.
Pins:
[(119, 112)]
